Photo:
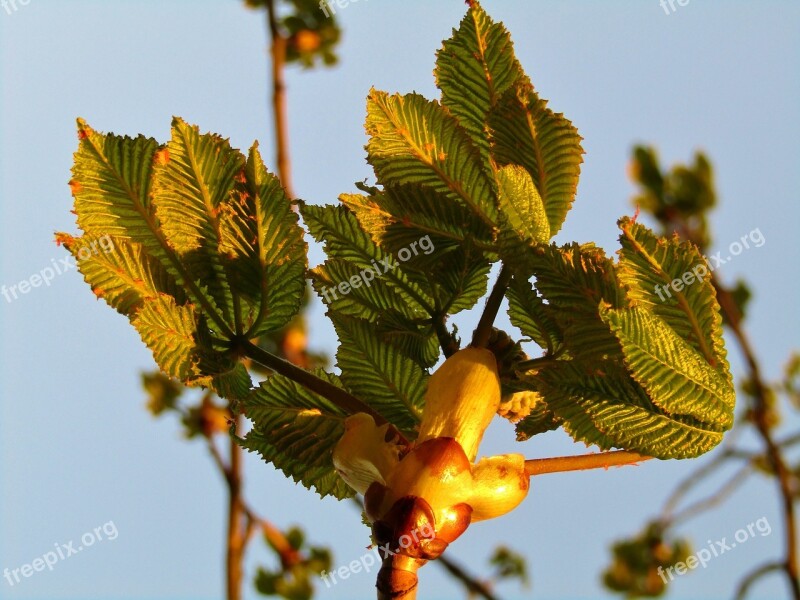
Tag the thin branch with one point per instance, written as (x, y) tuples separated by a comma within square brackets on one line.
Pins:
[(760, 418), (747, 582), (533, 363), (714, 499), (278, 52), (341, 398), (446, 339), (287, 554), (480, 339), (696, 477), (276, 538), (238, 528), (473, 585), (602, 460)]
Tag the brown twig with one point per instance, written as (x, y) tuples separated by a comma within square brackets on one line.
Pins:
[(278, 53), (473, 585), (583, 462), (446, 339), (480, 338), (760, 415), (686, 485), (236, 526), (714, 499), (246, 520), (747, 582), (341, 398)]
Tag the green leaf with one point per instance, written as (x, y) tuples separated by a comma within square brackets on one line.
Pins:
[(598, 403), (344, 239), (169, 331), (393, 384), (296, 430), (112, 186), (574, 280), (401, 215), (432, 238), (121, 272), (460, 279), (194, 178), (416, 141), (178, 341), (676, 377), (649, 265), (416, 341), (203, 247), (541, 420), (473, 69), (532, 316), (111, 178), (525, 132), (263, 249), (365, 301), (524, 216)]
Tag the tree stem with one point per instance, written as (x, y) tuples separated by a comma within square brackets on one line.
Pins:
[(760, 414), (480, 339), (602, 460), (236, 526), (397, 579), (280, 120), (473, 585), (341, 398)]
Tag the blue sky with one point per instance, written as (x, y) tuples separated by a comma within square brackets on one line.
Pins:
[(78, 448)]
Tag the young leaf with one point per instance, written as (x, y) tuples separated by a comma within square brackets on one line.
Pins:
[(532, 316), (525, 132), (399, 216), (190, 183), (345, 240), (598, 403), (574, 280), (111, 178), (415, 340), (436, 241), (541, 420), (414, 140), (176, 336), (204, 247), (368, 301), (473, 69), (371, 368), (650, 265), (676, 377), (460, 279), (121, 272), (263, 249), (524, 220), (296, 430)]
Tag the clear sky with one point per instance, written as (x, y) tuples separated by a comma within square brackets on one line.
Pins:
[(79, 449)]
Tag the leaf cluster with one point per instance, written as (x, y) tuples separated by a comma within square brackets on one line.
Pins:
[(210, 255)]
